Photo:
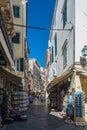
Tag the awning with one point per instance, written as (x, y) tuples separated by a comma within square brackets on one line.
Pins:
[(69, 72), (10, 75), (55, 81), (81, 72)]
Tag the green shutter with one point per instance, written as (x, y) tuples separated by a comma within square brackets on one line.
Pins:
[(21, 64)]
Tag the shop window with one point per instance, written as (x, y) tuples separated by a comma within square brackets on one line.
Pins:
[(16, 11)]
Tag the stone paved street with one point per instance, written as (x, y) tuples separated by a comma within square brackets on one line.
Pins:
[(40, 119)]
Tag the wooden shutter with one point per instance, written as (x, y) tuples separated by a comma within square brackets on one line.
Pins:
[(21, 64)]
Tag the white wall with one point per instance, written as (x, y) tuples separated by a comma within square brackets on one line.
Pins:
[(81, 27), (63, 35)]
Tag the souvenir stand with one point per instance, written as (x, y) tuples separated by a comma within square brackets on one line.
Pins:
[(20, 100), (79, 106), (79, 100), (1, 98), (23, 101)]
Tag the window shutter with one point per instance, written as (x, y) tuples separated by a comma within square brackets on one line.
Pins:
[(21, 64), (16, 11), (16, 38)]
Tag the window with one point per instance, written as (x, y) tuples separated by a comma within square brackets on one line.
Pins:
[(16, 38), (64, 54), (52, 54), (55, 41), (22, 64), (19, 64), (65, 14), (16, 11)]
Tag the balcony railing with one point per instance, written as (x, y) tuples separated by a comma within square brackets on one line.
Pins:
[(5, 34)]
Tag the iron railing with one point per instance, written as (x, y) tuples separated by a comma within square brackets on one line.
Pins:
[(5, 34)]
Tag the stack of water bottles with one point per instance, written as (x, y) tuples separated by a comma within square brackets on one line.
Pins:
[(79, 104)]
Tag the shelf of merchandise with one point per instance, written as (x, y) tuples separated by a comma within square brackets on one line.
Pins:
[(24, 101), (20, 100), (79, 105), (53, 99)]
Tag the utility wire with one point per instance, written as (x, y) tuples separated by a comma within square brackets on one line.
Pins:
[(38, 28)]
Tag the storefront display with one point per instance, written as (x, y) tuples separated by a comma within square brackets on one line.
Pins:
[(79, 104), (20, 100)]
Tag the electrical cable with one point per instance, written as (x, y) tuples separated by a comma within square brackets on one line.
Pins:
[(37, 28)]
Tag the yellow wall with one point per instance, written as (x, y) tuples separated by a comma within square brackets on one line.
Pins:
[(19, 48), (84, 88)]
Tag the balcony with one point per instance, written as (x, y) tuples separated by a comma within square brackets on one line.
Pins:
[(5, 34)]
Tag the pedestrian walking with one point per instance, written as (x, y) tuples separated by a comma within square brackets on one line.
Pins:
[(70, 108), (30, 98), (41, 98)]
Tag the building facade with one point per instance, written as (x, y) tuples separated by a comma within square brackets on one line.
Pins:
[(66, 42), (19, 39), (20, 47), (43, 81), (36, 76), (9, 80), (47, 65)]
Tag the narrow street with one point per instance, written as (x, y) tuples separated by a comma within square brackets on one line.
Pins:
[(40, 119)]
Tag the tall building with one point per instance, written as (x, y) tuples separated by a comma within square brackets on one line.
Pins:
[(6, 33), (19, 39), (9, 80), (8, 77), (47, 65), (20, 46), (43, 83), (36, 76), (67, 42)]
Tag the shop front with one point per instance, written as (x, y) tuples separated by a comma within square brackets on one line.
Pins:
[(9, 82), (58, 89), (68, 94)]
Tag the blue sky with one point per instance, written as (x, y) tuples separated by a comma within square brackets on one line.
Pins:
[(40, 13)]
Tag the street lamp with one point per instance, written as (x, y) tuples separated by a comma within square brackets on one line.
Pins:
[(83, 59), (84, 51)]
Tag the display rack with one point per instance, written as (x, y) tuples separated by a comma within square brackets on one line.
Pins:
[(20, 100), (79, 105), (24, 101)]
